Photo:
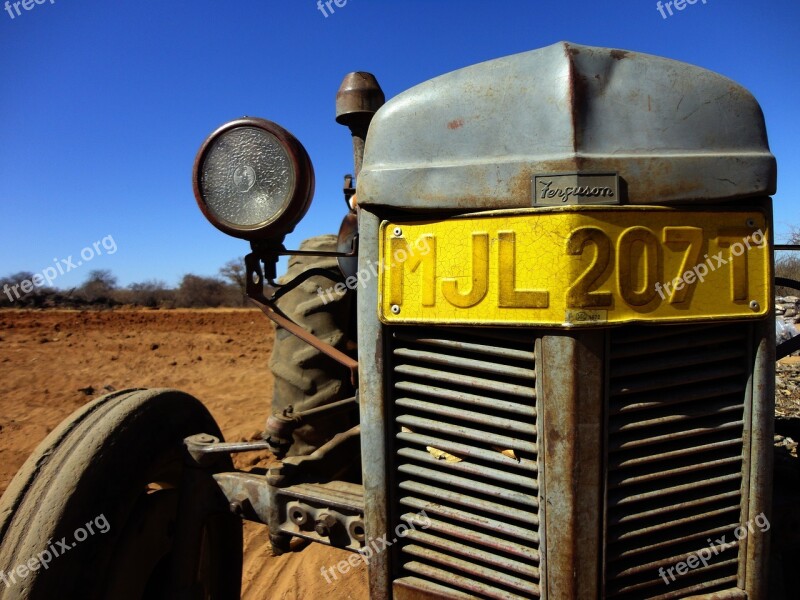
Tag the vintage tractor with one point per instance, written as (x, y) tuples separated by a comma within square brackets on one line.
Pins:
[(536, 362)]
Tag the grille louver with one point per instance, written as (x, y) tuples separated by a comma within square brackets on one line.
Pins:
[(471, 395), (676, 421)]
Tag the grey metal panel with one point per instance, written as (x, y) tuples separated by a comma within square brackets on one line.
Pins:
[(372, 407), (571, 408), (761, 454), (475, 137)]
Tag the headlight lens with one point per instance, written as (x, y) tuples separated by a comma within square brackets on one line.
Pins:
[(253, 179)]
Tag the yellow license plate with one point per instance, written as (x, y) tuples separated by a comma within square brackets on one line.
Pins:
[(574, 267)]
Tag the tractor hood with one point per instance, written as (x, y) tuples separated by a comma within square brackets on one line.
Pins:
[(477, 138)]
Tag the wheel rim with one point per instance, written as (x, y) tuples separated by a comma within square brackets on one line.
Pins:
[(167, 531), (140, 565), (146, 552)]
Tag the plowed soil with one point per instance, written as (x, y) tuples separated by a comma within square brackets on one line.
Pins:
[(52, 362)]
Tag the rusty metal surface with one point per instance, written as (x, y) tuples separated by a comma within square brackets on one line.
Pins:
[(327, 513), (414, 588), (372, 409), (359, 94), (278, 433), (726, 595), (761, 455), (678, 459), (247, 494), (456, 144), (571, 390), (326, 463), (476, 137), (454, 577), (298, 510), (571, 406), (476, 556), (203, 447), (358, 99), (465, 404)]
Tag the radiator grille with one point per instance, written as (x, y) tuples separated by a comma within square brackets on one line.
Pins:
[(676, 418), (470, 394)]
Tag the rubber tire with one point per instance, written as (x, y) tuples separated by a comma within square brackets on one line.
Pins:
[(99, 462), (304, 377)]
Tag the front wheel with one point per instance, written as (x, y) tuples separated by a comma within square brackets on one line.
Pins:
[(106, 507)]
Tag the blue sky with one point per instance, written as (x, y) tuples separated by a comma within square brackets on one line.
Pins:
[(103, 105)]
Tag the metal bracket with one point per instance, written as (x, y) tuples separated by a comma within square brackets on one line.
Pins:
[(280, 427), (328, 513), (202, 447), (259, 281), (272, 312), (331, 513)]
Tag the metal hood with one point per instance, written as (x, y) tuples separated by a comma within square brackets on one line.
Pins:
[(475, 138)]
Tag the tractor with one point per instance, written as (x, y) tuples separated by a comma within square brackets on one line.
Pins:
[(537, 361)]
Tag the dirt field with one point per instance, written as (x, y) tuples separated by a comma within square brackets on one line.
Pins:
[(52, 362)]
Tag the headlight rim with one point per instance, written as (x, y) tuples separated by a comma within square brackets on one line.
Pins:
[(298, 203)]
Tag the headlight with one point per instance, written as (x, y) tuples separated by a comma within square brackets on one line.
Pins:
[(253, 179)]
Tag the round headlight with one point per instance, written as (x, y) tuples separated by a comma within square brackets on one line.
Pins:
[(253, 179)]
